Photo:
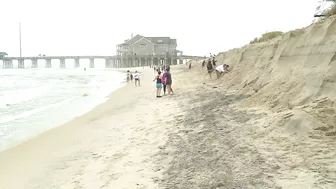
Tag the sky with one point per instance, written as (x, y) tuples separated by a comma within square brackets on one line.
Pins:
[(95, 27)]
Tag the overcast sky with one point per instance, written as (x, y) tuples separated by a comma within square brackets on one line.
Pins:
[(94, 27)]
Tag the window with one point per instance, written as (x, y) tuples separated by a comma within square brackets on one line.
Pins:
[(162, 47), (160, 41), (143, 46), (125, 47)]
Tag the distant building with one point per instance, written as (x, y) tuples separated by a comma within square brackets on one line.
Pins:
[(141, 50)]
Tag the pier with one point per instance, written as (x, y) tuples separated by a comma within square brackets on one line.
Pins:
[(118, 61)]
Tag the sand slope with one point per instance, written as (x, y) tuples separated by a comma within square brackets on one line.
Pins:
[(291, 81), (295, 72)]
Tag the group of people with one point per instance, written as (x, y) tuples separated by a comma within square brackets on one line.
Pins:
[(136, 77), (220, 70), (161, 68), (163, 81)]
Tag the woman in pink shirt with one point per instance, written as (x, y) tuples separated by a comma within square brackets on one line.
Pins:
[(163, 82)]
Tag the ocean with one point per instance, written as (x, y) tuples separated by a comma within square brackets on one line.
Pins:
[(35, 100)]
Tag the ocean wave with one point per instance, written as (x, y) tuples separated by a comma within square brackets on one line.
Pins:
[(10, 97), (34, 111)]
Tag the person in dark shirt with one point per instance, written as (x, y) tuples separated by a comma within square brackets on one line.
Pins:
[(169, 82), (214, 61), (131, 76), (209, 67)]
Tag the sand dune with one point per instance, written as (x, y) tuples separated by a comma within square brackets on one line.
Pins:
[(292, 81), (295, 72)]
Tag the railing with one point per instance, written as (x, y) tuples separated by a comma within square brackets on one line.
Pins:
[(146, 56)]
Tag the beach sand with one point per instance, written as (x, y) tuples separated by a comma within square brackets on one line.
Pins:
[(268, 123), (109, 147)]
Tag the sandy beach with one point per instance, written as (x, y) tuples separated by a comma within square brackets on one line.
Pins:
[(268, 123), (109, 147)]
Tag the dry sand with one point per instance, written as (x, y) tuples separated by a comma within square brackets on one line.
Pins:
[(269, 123)]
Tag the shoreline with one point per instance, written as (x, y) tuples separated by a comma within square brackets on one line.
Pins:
[(35, 154), (94, 101)]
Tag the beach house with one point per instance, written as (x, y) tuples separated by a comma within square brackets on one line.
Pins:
[(141, 50)]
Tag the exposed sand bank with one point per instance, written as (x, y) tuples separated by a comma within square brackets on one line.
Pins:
[(269, 123)]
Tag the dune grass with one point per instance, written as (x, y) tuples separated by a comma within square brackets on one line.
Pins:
[(332, 10), (266, 36)]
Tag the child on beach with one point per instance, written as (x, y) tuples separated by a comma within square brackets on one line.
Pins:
[(158, 80), (128, 75), (136, 79), (131, 77)]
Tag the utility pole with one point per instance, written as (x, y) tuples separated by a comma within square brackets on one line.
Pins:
[(20, 62), (20, 39)]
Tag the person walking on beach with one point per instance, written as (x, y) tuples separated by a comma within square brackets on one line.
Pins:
[(128, 75), (131, 76), (158, 80), (136, 79), (169, 81), (164, 82), (209, 68)]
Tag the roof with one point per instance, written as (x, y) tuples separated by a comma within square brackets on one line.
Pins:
[(154, 40), (142, 39), (173, 42), (165, 40), (133, 40)]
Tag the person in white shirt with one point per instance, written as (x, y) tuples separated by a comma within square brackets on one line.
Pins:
[(136, 79), (221, 69)]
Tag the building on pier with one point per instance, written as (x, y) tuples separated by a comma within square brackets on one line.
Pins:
[(144, 51), (135, 52)]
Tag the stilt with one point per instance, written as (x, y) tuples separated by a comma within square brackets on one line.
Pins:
[(21, 63), (92, 63), (34, 63), (77, 64), (48, 63), (62, 63)]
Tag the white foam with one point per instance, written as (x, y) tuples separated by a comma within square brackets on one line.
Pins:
[(33, 111), (22, 95), (100, 96)]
